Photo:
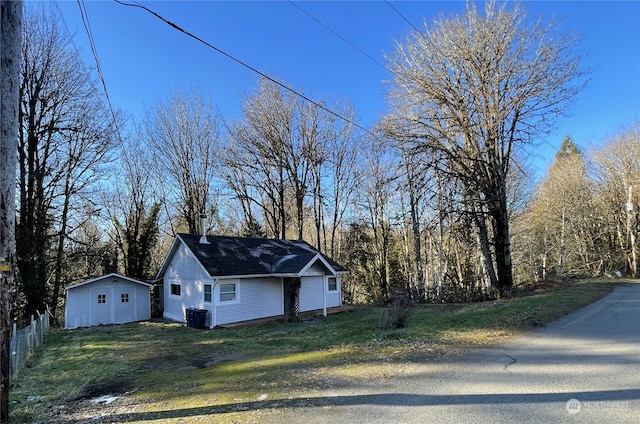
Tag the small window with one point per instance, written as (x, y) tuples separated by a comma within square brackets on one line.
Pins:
[(102, 298), (175, 289), (227, 292), (207, 292), (332, 283), (124, 297)]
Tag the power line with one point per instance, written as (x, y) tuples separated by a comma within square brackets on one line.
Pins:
[(338, 35), (244, 64), (94, 51), (403, 17)]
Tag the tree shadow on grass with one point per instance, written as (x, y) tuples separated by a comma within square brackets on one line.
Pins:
[(381, 399)]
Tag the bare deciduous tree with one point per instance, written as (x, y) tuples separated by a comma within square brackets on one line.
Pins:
[(277, 158), (472, 88), (135, 211), (617, 172), (183, 135), (65, 135)]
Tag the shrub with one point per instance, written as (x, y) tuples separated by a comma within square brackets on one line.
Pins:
[(397, 312)]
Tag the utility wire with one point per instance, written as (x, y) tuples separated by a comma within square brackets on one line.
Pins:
[(94, 51), (403, 17), (338, 35), (251, 68)]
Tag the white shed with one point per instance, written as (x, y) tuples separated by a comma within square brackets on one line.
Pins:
[(110, 299)]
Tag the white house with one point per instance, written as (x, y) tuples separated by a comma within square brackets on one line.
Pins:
[(237, 279), (110, 299)]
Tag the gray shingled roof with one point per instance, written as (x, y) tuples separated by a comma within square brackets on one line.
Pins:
[(227, 256)]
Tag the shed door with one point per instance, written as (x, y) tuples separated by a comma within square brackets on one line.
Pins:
[(124, 300), (102, 305)]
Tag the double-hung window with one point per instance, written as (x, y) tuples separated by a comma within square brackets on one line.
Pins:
[(332, 284), (228, 292)]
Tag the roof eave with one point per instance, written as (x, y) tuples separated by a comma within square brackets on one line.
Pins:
[(313, 260), (107, 276), (168, 256), (243, 276)]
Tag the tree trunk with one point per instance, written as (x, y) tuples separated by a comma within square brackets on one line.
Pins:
[(502, 244), (560, 269), (483, 233), (10, 51), (61, 238), (630, 250), (415, 229)]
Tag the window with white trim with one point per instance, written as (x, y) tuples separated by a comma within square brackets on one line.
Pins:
[(124, 297), (102, 298), (228, 292), (332, 284), (207, 292)]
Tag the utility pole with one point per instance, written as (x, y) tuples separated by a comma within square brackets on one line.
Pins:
[(10, 59), (630, 251)]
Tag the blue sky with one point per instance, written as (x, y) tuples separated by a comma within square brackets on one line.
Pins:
[(144, 59)]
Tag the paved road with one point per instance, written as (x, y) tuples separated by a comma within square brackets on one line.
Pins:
[(583, 368)]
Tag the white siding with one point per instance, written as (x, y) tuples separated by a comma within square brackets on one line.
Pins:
[(314, 287), (333, 297), (78, 308), (186, 272), (316, 269), (311, 291), (256, 298)]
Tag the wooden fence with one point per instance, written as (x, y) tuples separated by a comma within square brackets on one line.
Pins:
[(25, 341)]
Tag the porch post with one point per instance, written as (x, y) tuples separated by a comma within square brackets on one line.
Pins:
[(324, 295)]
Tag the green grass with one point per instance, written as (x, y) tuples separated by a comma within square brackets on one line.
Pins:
[(168, 367)]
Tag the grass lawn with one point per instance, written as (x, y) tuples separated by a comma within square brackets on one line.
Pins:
[(165, 372)]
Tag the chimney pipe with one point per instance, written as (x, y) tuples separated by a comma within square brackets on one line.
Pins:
[(203, 228)]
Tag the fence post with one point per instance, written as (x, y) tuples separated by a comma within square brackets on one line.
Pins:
[(13, 361), (40, 329), (31, 337)]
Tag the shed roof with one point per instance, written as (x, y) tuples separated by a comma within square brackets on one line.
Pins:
[(235, 256), (106, 277)]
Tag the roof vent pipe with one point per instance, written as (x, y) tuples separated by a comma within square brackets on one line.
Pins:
[(203, 228)]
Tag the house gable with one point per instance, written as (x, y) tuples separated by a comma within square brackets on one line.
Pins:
[(181, 262)]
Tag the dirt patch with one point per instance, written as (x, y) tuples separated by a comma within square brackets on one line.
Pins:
[(87, 411), (89, 405), (110, 387)]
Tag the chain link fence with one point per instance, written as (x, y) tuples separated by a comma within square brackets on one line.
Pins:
[(25, 341)]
